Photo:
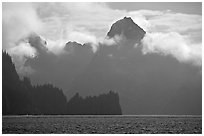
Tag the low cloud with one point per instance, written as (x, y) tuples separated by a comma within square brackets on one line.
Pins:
[(168, 33), (175, 45), (20, 54), (18, 21), (117, 39), (59, 23)]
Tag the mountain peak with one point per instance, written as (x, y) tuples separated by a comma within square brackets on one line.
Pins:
[(128, 18), (128, 28)]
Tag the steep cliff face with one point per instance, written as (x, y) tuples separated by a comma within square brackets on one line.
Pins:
[(104, 104), (128, 28)]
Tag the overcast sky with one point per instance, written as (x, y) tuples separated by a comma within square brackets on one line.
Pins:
[(182, 7)]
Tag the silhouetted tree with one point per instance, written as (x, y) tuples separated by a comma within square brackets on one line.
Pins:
[(104, 104), (49, 99)]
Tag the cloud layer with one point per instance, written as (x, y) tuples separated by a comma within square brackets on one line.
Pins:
[(175, 45), (18, 21), (20, 54), (168, 33), (175, 34)]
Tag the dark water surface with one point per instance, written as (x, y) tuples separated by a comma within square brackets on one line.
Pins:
[(102, 124)]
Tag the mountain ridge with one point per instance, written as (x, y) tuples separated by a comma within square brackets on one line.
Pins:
[(147, 83)]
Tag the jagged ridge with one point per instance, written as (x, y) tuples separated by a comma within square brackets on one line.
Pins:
[(128, 28)]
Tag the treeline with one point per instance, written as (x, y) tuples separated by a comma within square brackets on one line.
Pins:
[(104, 104), (19, 97)]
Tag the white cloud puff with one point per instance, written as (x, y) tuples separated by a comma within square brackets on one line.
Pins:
[(173, 44), (20, 54), (169, 33), (18, 21)]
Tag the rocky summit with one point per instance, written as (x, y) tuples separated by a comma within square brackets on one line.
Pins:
[(127, 28)]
